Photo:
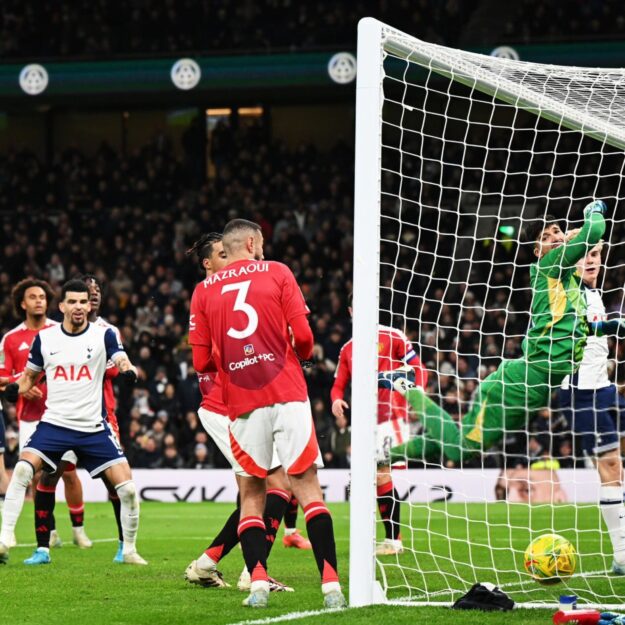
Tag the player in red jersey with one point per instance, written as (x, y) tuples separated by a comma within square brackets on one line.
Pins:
[(246, 315), (394, 351), (214, 417), (46, 492), (31, 298)]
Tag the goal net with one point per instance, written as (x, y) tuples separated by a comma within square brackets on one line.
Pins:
[(457, 153)]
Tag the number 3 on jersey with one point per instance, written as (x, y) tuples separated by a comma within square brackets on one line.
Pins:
[(241, 305)]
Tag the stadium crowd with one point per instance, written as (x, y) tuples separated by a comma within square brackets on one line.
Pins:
[(148, 27), (103, 29), (130, 218)]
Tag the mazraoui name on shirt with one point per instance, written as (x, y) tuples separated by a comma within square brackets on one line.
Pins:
[(74, 365)]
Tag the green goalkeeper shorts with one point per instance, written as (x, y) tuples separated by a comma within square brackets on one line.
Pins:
[(504, 401)]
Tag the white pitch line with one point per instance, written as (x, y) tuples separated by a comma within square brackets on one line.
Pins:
[(291, 616)]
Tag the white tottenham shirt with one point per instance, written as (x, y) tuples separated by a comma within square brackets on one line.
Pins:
[(593, 370), (74, 365)]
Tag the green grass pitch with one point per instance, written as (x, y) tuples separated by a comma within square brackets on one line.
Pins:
[(85, 587)]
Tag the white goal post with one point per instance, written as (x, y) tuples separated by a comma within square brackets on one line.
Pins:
[(502, 112)]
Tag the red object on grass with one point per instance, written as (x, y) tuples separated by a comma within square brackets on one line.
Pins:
[(577, 617)]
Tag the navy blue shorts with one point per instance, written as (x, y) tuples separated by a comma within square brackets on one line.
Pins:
[(594, 417), (3, 434), (96, 450)]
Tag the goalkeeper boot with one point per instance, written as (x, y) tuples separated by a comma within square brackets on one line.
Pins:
[(401, 380), (334, 600), (618, 569), (41, 555), (55, 539), (296, 540), (133, 558), (208, 578), (258, 597), (389, 547), (119, 556), (80, 538)]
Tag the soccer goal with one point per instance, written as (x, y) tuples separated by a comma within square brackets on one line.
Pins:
[(456, 153)]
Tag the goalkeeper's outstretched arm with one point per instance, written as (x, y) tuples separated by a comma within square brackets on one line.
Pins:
[(567, 255)]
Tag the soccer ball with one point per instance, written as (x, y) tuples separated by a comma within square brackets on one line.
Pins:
[(550, 558)]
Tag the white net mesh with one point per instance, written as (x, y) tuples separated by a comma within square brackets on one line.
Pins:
[(473, 150)]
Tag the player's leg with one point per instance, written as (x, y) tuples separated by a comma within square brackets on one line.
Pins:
[(100, 453), (296, 442), (75, 502), (4, 478), (117, 512), (292, 536), (44, 501), (120, 477), (276, 502), (594, 418), (203, 571), (25, 468), (251, 441)]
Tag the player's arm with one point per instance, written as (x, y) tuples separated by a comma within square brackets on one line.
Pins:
[(28, 378), (115, 352), (405, 352), (296, 314), (337, 393), (303, 340), (567, 255)]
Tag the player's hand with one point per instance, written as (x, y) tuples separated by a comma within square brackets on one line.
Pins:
[(598, 206), (33, 393), (130, 375), (11, 392), (339, 406)]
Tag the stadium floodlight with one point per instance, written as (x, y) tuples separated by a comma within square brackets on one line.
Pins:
[(453, 150)]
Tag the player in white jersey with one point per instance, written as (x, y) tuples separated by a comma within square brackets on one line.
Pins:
[(73, 356), (45, 493), (592, 405)]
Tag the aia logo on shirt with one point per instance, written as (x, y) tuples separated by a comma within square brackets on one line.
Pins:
[(72, 373), (248, 350)]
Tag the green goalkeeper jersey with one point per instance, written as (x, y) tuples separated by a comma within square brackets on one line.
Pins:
[(557, 335)]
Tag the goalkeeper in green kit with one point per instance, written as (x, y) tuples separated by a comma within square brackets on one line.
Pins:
[(553, 349)]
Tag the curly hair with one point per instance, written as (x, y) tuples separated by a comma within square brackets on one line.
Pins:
[(19, 291), (203, 247)]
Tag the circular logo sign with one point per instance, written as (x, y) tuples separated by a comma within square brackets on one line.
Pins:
[(506, 52), (34, 79), (185, 74), (342, 68)]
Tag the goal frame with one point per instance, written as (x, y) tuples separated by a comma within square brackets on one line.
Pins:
[(374, 40)]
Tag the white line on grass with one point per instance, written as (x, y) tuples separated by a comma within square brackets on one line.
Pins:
[(291, 616)]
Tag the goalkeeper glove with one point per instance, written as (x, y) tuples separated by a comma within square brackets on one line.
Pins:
[(11, 392), (401, 380), (598, 206), (612, 327), (610, 618)]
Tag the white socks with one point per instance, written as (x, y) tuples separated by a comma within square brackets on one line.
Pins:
[(127, 494), (613, 511), (206, 563), (14, 499)]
